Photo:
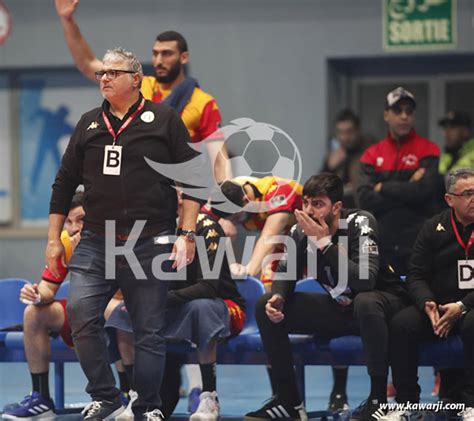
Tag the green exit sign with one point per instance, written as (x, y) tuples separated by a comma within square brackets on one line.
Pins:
[(419, 24)]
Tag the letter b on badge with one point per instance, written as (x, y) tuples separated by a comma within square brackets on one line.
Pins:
[(112, 160)]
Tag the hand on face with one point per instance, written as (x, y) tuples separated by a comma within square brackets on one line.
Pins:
[(314, 226)]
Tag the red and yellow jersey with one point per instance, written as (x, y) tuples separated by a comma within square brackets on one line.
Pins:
[(68, 248), (278, 194), (201, 115), (63, 270)]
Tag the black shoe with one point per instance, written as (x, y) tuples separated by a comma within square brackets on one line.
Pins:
[(154, 415), (276, 408), (338, 402), (102, 410), (368, 410)]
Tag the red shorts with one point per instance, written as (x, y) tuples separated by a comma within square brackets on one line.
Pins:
[(237, 317), (65, 331)]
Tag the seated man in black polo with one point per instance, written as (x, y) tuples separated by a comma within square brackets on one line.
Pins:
[(361, 297)]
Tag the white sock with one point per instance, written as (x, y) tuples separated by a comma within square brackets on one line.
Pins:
[(193, 373)]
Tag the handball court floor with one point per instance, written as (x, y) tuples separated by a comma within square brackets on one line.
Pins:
[(241, 388)]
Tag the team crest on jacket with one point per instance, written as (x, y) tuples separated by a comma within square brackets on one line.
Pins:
[(369, 246), (279, 200), (147, 116), (410, 160)]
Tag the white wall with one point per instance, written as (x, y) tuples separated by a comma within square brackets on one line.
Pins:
[(264, 59)]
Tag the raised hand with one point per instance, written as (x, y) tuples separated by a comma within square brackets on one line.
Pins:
[(66, 8)]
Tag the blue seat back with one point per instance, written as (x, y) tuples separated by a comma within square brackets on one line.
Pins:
[(309, 285), (63, 291), (251, 289), (11, 308)]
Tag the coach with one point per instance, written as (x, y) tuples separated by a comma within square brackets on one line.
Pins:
[(106, 153)]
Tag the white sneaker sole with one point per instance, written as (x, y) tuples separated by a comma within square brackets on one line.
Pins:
[(203, 417), (44, 415), (126, 415)]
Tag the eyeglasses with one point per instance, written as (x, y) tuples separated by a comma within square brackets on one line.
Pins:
[(465, 193), (111, 73)]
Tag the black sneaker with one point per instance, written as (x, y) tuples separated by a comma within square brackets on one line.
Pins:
[(277, 408), (102, 410), (368, 410), (338, 402)]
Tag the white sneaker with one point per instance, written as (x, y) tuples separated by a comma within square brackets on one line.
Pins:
[(467, 414), (127, 415), (155, 415), (208, 409), (400, 416), (394, 416)]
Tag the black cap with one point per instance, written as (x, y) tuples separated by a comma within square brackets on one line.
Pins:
[(393, 97), (456, 119)]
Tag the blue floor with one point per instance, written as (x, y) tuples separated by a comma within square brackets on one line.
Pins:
[(241, 388)]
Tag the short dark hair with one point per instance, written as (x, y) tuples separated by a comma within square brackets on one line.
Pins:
[(234, 192), (77, 200), (348, 115), (174, 36), (324, 184)]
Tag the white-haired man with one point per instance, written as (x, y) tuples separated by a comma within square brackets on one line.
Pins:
[(106, 153)]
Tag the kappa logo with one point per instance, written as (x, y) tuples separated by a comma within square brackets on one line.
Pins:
[(440, 228), (370, 247), (93, 125)]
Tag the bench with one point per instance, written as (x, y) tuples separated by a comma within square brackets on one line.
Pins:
[(245, 348)]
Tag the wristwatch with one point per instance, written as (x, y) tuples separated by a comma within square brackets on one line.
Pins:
[(462, 307), (189, 234)]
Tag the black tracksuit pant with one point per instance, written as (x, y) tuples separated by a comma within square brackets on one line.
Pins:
[(412, 326), (368, 316)]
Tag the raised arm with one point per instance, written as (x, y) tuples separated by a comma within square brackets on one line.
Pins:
[(81, 52)]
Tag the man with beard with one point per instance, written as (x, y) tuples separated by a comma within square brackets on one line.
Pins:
[(169, 85), (398, 180), (361, 298), (343, 160)]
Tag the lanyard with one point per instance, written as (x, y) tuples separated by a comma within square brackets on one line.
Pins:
[(125, 124), (460, 241)]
